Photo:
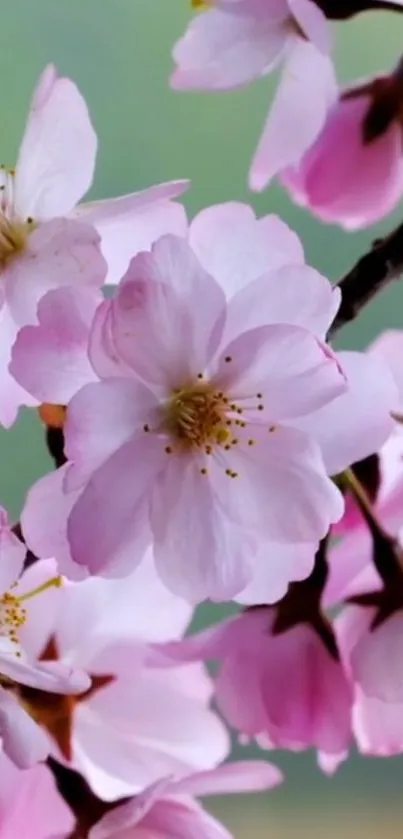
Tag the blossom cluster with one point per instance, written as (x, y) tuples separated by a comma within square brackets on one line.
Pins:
[(209, 445)]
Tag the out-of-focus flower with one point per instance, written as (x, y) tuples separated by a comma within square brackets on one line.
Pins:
[(168, 809), (45, 241), (21, 739), (233, 43), (284, 689), (353, 173), (133, 723), (30, 806)]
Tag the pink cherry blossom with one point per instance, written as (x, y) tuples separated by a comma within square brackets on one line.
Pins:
[(233, 43), (284, 690), (45, 242), (22, 740), (353, 172), (192, 482), (30, 806), (372, 658), (168, 809), (118, 733), (254, 260)]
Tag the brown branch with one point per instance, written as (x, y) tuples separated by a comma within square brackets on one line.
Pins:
[(345, 9), (374, 271)]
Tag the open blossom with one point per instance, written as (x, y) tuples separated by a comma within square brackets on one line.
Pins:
[(285, 690), (132, 723), (232, 43), (30, 806), (21, 740), (179, 418), (45, 241), (168, 808), (353, 172)]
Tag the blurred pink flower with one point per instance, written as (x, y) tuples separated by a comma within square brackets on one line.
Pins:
[(232, 43), (167, 809), (30, 806), (353, 173), (286, 690), (134, 723), (21, 739)]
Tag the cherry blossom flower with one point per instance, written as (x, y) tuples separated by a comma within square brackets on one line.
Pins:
[(285, 690), (233, 43), (254, 261), (353, 172), (45, 241), (30, 806), (21, 739), (117, 732), (168, 809)]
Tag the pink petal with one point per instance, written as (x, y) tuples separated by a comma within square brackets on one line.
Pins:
[(230, 778), (222, 50), (313, 23), (281, 493), (293, 294), (101, 418), (33, 792), (51, 360), (297, 114), (23, 740), (156, 304), (102, 351), (108, 527), (389, 347), (132, 223), (42, 612), (44, 521), (377, 662), (60, 253), (276, 565), (235, 247), (295, 372), (199, 554), (12, 555), (57, 155), (358, 422), (12, 395)]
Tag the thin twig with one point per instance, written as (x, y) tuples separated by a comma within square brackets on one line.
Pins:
[(374, 271)]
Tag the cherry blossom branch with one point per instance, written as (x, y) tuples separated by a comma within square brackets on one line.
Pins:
[(344, 9), (374, 271)]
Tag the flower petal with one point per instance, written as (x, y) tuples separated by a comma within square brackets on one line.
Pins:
[(23, 740), (277, 565), (199, 554), (235, 247), (108, 526), (358, 422), (292, 369), (222, 50), (305, 93), (51, 360), (56, 161), (60, 253), (131, 223)]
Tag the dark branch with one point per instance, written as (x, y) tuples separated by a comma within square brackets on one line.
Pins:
[(344, 9), (374, 271)]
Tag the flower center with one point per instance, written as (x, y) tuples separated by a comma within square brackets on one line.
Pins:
[(13, 614), (195, 416), (14, 232)]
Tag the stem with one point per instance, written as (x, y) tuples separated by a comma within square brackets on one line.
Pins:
[(374, 271)]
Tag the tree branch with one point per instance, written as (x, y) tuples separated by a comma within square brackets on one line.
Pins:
[(374, 271)]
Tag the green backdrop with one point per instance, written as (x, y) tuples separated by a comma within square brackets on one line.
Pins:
[(118, 51)]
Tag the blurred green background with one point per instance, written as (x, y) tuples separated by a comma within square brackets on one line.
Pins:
[(118, 52)]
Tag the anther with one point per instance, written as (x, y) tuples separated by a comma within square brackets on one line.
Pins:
[(251, 442), (259, 395), (260, 407), (146, 427), (168, 449), (203, 471), (228, 358)]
